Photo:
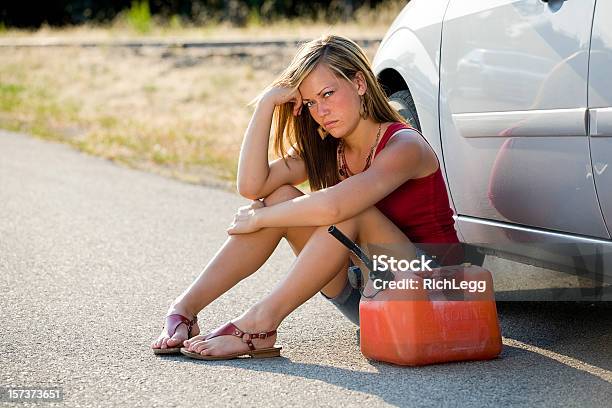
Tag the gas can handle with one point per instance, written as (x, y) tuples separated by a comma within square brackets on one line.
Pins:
[(353, 247)]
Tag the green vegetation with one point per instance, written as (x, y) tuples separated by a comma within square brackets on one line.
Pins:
[(10, 96), (139, 16), (179, 112)]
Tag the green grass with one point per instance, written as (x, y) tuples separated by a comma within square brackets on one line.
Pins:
[(139, 17), (10, 96), (149, 88), (148, 109), (137, 21)]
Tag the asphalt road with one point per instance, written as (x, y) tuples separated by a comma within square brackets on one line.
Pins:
[(91, 253)]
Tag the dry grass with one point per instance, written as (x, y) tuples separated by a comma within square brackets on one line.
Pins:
[(364, 22), (216, 32), (178, 112)]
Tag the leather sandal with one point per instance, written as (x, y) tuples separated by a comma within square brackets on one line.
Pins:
[(230, 329), (172, 322)]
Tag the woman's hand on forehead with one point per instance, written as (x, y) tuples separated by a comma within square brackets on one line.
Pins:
[(280, 95)]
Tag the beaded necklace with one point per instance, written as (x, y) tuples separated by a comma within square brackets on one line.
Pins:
[(344, 170)]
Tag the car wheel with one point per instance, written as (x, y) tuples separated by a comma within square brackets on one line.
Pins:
[(402, 102)]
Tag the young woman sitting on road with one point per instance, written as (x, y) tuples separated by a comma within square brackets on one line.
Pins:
[(371, 175)]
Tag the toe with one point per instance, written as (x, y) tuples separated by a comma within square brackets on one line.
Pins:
[(179, 336), (192, 345), (164, 343), (196, 338), (200, 347)]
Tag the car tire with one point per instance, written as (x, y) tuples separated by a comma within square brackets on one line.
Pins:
[(402, 102)]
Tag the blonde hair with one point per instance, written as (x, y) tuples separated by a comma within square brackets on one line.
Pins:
[(345, 58)]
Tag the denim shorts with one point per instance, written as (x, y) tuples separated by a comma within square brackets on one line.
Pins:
[(347, 301)]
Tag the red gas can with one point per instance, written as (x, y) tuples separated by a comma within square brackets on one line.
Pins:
[(447, 314)]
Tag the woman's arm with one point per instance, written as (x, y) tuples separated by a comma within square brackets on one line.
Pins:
[(401, 160), (253, 167)]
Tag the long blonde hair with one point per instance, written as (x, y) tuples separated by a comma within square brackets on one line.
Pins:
[(345, 58)]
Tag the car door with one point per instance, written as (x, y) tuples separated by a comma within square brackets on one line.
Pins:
[(600, 106), (513, 102)]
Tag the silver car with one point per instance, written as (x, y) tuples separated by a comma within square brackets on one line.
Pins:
[(515, 98)]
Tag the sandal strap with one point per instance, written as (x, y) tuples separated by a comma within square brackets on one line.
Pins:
[(230, 329), (174, 320)]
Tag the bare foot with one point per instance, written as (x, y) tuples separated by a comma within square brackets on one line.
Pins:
[(223, 345), (165, 341)]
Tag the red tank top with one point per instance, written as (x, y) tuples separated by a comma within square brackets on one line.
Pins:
[(419, 207)]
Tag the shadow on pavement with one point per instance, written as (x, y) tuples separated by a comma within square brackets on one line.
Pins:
[(519, 376), (582, 331)]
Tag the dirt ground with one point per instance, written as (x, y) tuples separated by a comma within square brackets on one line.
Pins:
[(176, 111)]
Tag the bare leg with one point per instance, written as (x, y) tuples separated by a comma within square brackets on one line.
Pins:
[(319, 266), (239, 257)]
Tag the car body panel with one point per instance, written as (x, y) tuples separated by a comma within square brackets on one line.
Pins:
[(590, 259), (600, 106), (512, 55), (547, 127), (513, 98)]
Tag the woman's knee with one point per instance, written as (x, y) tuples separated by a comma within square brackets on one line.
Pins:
[(372, 225), (368, 216), (285, 192)]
